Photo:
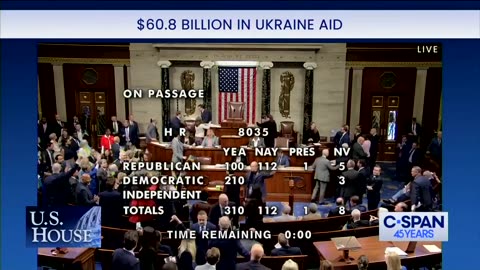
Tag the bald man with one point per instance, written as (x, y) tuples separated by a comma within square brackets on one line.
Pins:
[(257, 179), (254, 263), (286, 214), (220, 209), (229, 248)]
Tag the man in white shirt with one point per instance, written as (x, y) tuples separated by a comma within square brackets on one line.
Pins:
[(213, 256)]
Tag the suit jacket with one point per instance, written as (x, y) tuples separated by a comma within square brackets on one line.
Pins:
[(343, 138), (311, 216), (415, 157), (177, 150), (257, 180), (358, 224), (111, 202), (115, 151), (124, 260), (214, 142), (374, 141), (435, 148), (176, 124), (58, 126), (202, 244), (260, 143), (135, 133), (83, 195), (57, 187), (286, 251), (206, 116), (418, 129), (229, 248), (151, 133), (132, 135), (199, 206), (283, 161), (322, 167), (119, 128), (251, 265), (361, 184), (215, 214), (351, 183), (360, 208), (376, 182), (421, 191), (43, 134), (357, 152)]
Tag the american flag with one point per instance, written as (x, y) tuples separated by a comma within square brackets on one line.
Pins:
[(237, 85)]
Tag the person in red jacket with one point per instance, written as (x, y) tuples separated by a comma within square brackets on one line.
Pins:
[(141, 221), (106, 141)]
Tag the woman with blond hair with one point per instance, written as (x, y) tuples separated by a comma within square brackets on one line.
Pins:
[(290, 265), (186, 254), (393, 261)]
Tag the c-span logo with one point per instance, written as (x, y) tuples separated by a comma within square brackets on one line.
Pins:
[(414, 226)]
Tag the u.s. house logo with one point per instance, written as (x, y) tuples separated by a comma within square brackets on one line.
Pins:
[(414, 226)]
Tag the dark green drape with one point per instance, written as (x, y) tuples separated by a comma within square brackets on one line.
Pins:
[(165, 103), (207, 88), (308, 100), (266, 90)]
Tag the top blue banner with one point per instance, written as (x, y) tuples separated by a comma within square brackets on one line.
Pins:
[(240, 5)]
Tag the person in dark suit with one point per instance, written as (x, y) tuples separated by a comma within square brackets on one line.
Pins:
[(124, 258), (414, 157), (115, 126), (357, 149), (58, 126), (339, 209), (435, 148), (342, 137), (47, 158), (421, 191), (356, 221), (253, 204), (205, 114), (112, 204), (374, 186), (127, 134), (355, 203), (202, 244), (270, 124), (311, 135), (201, 205), (83, 195), (116, 148), (256, 178), (255, 257), (282, 159), (220, 209), (415, 129), (374, 142), (44, 131), (229, 248), (135, 138), (285, 249), (176, 123), (152, 132), (57, 186), (357, 133), (350, 181), (364, 174)]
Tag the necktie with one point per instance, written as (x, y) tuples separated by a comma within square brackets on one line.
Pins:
[(115, 128), (411, 155), (127, 134)]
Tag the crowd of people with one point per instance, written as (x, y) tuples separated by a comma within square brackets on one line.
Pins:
[(71, 172)]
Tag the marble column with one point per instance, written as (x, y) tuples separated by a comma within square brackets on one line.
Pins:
[(119, 88), (165, 73), (419, 99), (266, 86), (59, 91), (345, 98), (308, 95), (357, 77), (207, 83)]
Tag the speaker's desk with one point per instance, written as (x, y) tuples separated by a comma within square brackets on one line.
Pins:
[(75, 258)]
